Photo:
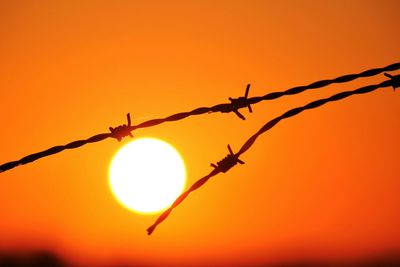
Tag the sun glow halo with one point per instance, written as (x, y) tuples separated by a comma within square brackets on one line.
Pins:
[(147, 175)]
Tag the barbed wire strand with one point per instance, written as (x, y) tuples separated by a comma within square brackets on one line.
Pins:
[(227, 107), (265, 128), (323, 83), (53, 150), (315, 104)]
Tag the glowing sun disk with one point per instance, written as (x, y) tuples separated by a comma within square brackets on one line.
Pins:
[(147, 175)]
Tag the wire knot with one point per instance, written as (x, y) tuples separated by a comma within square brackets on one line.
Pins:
[(228, 162), (238, 103), (122, 131), (394, 79)]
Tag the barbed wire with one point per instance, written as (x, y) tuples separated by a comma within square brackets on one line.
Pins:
[(232, 159), (236, 103), (394, 81)]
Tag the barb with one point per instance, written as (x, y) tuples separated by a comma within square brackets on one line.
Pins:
[(394, 79), (238, 103), (232, 159), (223, 165), (122, 131), (228, 162)]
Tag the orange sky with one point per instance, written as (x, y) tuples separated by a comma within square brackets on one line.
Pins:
[(321, 186)]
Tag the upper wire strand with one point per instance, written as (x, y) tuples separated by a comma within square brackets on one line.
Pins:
[(120, 132)]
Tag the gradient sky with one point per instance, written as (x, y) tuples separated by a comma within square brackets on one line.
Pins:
[(321, 186)]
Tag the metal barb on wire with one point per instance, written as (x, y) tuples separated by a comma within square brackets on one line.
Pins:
[(394, 79), (232, 159), (225, 108), (228, 162), (223, 165), (123, 130), (238, 103)]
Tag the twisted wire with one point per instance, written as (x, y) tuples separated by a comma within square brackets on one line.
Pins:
[(270, 96), (246, 146), (53, 150), (323, 83), (311, 105), (182, 197), (227, 107)]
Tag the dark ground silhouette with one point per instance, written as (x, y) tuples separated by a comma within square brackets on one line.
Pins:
[(48, 259)]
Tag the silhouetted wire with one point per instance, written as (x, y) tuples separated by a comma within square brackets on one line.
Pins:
[(312, 105), (195, 186), (265, 128), (231, 107), (53, 150), (323, 83), (125, 130)]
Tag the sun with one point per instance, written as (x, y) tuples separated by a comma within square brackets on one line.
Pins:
[(147, 175)]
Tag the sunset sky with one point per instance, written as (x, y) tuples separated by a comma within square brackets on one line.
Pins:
[(322, 186)]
